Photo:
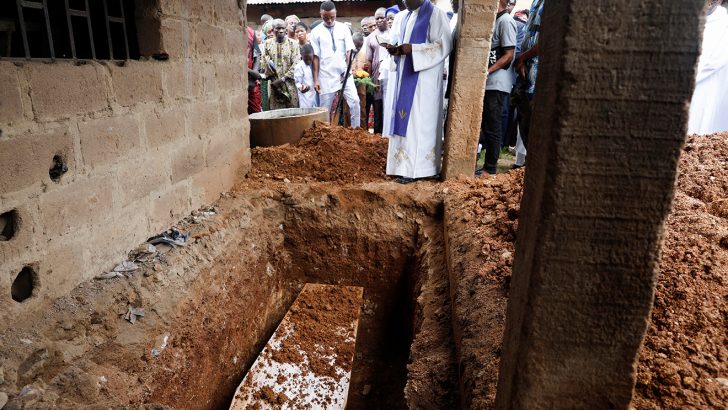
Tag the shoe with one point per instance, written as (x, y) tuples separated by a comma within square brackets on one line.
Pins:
[(482, 171), (517, 166), (404, 181)]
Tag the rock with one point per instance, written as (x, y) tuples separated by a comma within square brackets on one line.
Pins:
[(3, 399), (722, 381), (688, 381)]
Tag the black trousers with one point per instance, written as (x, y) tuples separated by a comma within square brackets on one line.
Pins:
[(378, 116), (521, 108), (491, 128)]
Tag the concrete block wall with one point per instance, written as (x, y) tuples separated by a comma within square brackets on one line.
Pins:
[(144, 142), (475, 31)]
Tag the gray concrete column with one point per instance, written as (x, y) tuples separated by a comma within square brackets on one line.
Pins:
[(475, 30), (610, 119)]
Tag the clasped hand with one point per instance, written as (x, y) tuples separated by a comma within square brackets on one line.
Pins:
[(400, 50)]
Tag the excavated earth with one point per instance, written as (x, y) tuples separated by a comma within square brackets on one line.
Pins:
[(434, 260)]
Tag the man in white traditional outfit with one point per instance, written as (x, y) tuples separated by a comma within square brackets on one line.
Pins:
[(420, 42), (709, 106), (333, 45)]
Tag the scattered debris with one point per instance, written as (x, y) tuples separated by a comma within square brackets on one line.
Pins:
[(109, 275), (172, 237), (132, 313), (126, 266), (159, 344)]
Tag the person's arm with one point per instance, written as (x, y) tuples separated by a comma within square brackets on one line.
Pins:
[(316, 44), (315, 72), (429, 55), (503, 61), (264, 67), (520, 65), (508, 36)]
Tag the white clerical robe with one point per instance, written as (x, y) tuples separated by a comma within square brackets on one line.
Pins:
[(709, 106), (419, 153)]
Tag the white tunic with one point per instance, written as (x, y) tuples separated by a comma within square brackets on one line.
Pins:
[(419, 154), (331, 54), (709, 106), (303, 76)]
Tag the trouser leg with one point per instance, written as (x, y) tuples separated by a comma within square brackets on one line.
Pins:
[(504, 120), (325, 100), (352, 98), (378, 116), (491, 128), (524, 110)]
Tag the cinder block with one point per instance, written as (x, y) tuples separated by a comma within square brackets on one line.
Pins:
[(171, 7), (235, 42), (224, 147), (85, 202), (176, 38), (211, 182), (119, 232), (137, 82), (169, 207), (204, 116), (64, 266), (26, 159), (188, 160), (230, 76), (105, 141), (239, 107), (203, 79), (62, 89), (139, 178), (177, 80), (164, 127), (209, 40), (228, 13), (11, 105), (200, 9)]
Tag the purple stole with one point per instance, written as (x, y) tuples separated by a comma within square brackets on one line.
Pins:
[(406, 93)]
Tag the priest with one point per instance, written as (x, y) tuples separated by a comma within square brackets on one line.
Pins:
[(420, 41)]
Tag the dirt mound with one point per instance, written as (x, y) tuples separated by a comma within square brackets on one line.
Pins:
[(325, 154), (703, 168), (685, 353)]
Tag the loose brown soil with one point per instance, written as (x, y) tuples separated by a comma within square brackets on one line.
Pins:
[(324, 212), (686, 348), (324, 154)]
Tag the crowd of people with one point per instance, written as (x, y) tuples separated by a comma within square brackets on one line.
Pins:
[(405, 54)]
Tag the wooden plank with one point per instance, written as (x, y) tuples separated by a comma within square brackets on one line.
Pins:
[(307, 362)]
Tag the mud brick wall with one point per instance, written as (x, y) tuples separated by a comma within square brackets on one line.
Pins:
[(145, 143)]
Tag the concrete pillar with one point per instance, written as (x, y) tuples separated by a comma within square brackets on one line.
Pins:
[(475, 29), (609, 123)]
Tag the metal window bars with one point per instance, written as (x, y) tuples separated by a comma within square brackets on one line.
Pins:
[(116, 20), (111, 22), (43, 6), (84, 14)]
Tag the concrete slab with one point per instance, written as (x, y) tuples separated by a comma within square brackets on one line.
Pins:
[(307, 362)]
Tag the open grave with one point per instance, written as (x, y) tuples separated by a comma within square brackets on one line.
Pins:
[(433, 260)]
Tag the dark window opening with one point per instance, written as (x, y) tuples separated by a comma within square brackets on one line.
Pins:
[(24, 284), (9, 223), (68, 29)]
